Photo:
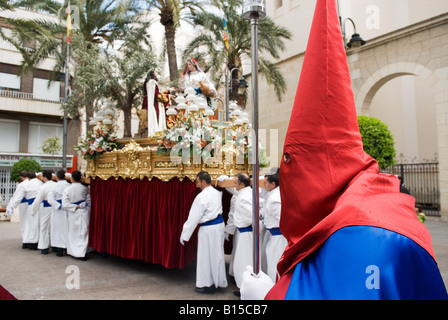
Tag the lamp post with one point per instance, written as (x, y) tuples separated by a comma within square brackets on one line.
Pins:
[(356, 41), (255, 10), (66, 96)]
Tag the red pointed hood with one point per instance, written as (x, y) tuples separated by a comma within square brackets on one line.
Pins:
[(323, 139), (323, 151)]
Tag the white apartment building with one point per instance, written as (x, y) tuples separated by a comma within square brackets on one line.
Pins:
[(29, 110)]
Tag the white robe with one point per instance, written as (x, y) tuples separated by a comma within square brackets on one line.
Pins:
[(59, 228), (78, 219), (31, 228), (193, 78), (277, 243), (232, 230), (210, 267), (244, 246), (44, 214), (154, 124), (16, 201)]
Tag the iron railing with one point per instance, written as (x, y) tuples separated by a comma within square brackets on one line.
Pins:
[(25, 96), (422, 181)]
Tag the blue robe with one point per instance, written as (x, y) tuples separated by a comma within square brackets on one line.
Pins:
[(367, 263)]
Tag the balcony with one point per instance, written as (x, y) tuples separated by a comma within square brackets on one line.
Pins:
[(17, 101)]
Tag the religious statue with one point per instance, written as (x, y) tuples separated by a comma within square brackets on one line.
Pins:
[(194, 77), (152, 115)]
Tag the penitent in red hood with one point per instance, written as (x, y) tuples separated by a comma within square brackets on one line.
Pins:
[(327, 181)]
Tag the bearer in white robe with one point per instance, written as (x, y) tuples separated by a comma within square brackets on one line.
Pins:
[(59, 229), (230, 228), (22, 203), (75, 200), (243, 221), (42, 206), (206, 211), (29, 192), (277, 242)]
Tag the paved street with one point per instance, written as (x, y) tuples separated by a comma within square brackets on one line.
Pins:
[(30, 275)]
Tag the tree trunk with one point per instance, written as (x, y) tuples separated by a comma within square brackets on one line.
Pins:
[(167, 20), (170, 32), (127, 103), (89, 115), (127, 113)]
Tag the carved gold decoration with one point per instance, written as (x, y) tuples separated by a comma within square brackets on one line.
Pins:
[(136, 162)]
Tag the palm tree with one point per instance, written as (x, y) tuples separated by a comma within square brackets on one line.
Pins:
[(116, 74), (170, 12), (124, 83), (209, 45), (96, 21)]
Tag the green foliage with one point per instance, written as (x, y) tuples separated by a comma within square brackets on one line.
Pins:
[(52, 145), (378, 141), (209, 44), (23, 165)]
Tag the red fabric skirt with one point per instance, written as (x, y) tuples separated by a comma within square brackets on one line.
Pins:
[(142, 219)]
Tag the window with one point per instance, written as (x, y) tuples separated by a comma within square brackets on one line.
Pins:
[(39, 132), (9, 82), (42, 91), (10, 133)]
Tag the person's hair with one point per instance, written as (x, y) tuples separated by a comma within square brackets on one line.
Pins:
[(24, 174), (205, 176), (77, 176), (60, 174), (31, 174), (243, 178), (47, 174), (273, 178)]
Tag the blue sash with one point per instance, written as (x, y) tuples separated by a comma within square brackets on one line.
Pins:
[(79, 202), (60, 201), (46, 204), (247, 229), (30, 201), (275, 231), (217, 220), (24, 200)]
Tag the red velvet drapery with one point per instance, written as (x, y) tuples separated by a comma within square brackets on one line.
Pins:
[(142, 219)]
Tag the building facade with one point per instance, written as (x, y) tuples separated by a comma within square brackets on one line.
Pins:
[(30, 110)]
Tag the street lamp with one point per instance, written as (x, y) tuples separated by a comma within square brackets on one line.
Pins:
[(241, 87), (255, 10), (356, 41)]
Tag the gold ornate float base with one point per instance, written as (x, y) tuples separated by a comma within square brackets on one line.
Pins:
[(137, 162)]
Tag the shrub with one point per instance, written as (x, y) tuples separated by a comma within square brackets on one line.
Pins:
[(23, 165), (378, 141)]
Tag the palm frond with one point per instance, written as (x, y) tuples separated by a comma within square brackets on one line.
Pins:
[(273, 76)]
